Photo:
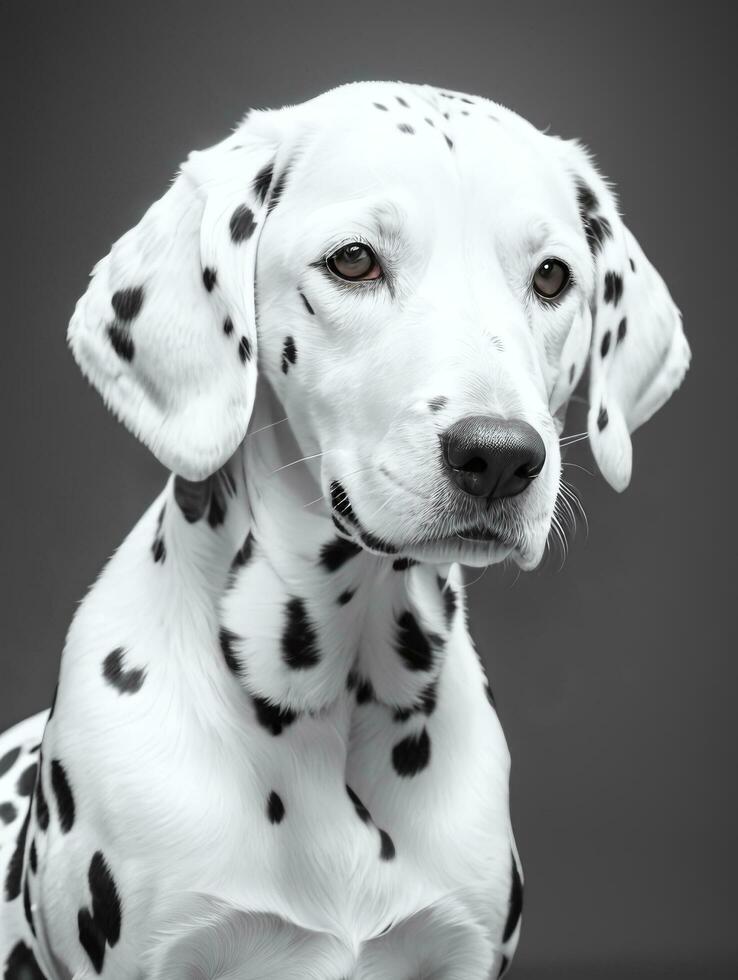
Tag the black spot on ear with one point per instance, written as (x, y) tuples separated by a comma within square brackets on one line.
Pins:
[(572, 369), (106, 907), (632, 265), (21, 964), (8, 813), (275, 807), (405, 128), (244, 554), (124, 681), (449, 142), (411, 755), (386, 846), (602, 418), (64, 796), (91, 938), (121, 341), (33, 856), (278, 189), (361, 811), (263, 181), (27, 905), (158, 548), (208, 278), (586, 198), (228, 326), (299, 638), (272, 716), (346, 596), (613, 288), (8, 760), (308, 307), (242, 224), (127, 303), (378, 105), (227, 639), (289, 353), (26, 781), (244, 349), (402, 102), (402, 564), (364, 691), (340, 502), (597, 229), (449, 601), (42, 807), (622, 329), (14, 873), (504, 964), (412, 644), (515, 902), (436, 404), (336, 553), (605, 345), (468, 101)]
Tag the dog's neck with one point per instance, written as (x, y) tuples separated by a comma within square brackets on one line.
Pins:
[(307, 614)]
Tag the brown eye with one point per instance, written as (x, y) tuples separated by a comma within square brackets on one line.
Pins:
[(354, 262), (551, 278)]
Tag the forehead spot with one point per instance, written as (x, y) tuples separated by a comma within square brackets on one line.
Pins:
[(378, 105), (429, 121), (449, 142), (437, 403), (406, 128), (402, 102)]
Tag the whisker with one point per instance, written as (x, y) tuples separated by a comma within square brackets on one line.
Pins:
[(304, 459), (264, 427)]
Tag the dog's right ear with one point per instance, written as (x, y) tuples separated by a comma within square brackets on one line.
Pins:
[(166, 331)]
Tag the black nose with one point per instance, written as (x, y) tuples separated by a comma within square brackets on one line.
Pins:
[(492, 457)]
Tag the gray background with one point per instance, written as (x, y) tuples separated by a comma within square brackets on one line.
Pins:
[(613, 674)]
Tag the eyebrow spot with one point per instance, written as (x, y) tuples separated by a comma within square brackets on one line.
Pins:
[(437, 403), (405, 128), (308, 307)]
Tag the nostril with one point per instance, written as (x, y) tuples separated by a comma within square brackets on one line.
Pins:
[(474, 465)]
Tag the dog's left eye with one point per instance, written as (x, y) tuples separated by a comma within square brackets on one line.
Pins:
[(355, 262), (551, 278)]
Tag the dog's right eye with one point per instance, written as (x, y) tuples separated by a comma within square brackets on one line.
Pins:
[(355, 263)]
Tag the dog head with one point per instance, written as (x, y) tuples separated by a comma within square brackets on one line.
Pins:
[(432, 276)]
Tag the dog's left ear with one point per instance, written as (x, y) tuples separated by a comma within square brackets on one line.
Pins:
[(166, 331), (638, 352)]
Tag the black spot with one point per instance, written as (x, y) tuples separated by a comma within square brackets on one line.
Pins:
[(515, 902), (127, 303), (208, 278), (586, 198), (377, 544), (378, 105), (227, 639), (613, 288), (8, 760), (33, 856), (597, 229), (42, 807), (605, 345), (341, 503), (27, 905), (450, 600), (449, 142), (426, 703), (346, 596), (194, 497), (8, 813), (336, 553), (278, 189), (402, 564), (64, 797), (622, 329), (436, 404), (289, 354), (405, 128), (504, 964), (352, 679), (412, 644), (242, 224), (430, 122), (364, 691), (602, 418), (124, 681), (121, 341), (361, 810), (572, 369), (464, 112), (308, 307), (103, 923), (632, 265), (412, 754), (387, 848), (21, 964), (244, 553), (14, 874), (263, 181), (299, 639), (228, 326), (26, 781), (244, 349), (402, 102), (468, 101), (271, 716), (275, 807), (158, 548)]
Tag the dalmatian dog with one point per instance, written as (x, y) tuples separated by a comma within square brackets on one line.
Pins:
[(273, 751)]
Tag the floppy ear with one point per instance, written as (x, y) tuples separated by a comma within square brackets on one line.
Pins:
[(166, 330), (638, 353)]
